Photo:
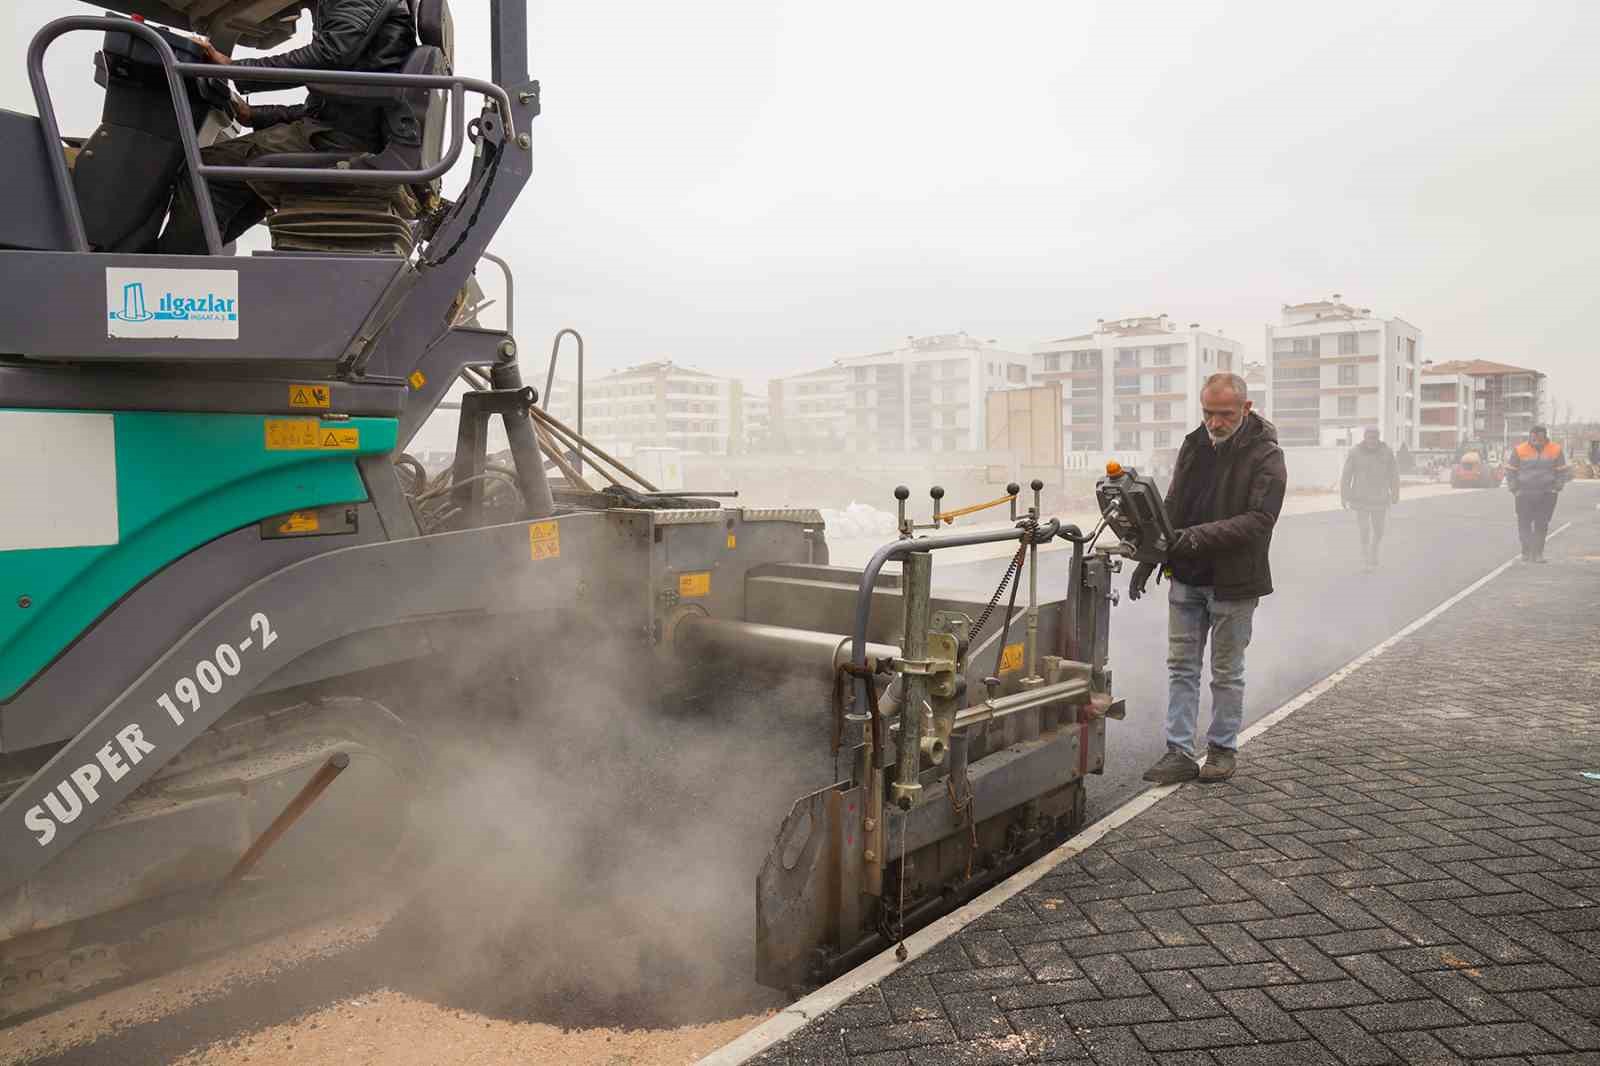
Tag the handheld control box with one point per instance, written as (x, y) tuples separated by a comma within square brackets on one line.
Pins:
[(1133, 509)]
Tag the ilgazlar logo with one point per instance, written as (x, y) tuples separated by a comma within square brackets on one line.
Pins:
[(161, 303), (175, 307)]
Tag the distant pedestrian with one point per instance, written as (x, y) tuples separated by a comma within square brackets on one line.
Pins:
[(1536, 470), (1226, 491), (1371, 483)]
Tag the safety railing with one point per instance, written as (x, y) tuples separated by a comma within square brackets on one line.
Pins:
[(200, 171)]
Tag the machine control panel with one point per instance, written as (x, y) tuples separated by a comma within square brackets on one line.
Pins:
[(1132, 507)]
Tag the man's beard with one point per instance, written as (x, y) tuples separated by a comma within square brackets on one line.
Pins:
[(1219, 437)]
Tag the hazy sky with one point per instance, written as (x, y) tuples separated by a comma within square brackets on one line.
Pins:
[(754, 188)]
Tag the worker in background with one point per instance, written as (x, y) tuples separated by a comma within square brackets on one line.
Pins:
[(360, 35), (1536, 470), (1371, 483), (1226, 491)]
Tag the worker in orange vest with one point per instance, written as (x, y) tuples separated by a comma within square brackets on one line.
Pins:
[(1535, 471)]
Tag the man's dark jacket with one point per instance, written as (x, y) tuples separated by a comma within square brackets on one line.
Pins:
[(363, 35), (1231, 526), (1371, 479)]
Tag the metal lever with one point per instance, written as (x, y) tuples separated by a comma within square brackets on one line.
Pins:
[(937, 492), (901, 495), (1013, 490)]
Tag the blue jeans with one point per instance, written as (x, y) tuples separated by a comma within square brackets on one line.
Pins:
[(1192, 612)]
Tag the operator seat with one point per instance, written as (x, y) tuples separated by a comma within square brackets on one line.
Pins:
[(371, 219)]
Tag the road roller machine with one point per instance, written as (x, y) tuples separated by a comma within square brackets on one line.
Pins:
[(245, 636)]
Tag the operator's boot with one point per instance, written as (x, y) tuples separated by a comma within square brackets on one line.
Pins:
[(1172, 768), (1220, 764)]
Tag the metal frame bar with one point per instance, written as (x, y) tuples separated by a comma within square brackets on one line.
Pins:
[(200, 171), (550, 374)]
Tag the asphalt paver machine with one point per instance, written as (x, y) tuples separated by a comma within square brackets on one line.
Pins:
[(239, 624)]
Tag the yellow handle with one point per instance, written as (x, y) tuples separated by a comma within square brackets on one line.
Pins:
[(948, 517)]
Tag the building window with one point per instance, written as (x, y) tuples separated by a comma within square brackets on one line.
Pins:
[(1348, 343), (1088, 359), (1163, 414), (1347, 374), (1127, 439), (1052, 361), (1163, 438), (1017, 374), (1347, 406), (1128, 411), (1127, 357), (1224, 359), (1163, 382)]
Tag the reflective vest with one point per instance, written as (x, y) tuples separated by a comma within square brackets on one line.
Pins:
[(1536, 470)]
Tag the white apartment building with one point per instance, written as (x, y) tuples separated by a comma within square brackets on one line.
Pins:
[(1334, 369), (807, 411), (1132, 385), (1507, 400), (755, 421), (927, 395), (663, 405), (1446, 418)]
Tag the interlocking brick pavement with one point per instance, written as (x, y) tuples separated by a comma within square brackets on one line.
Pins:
[(1406, 870)]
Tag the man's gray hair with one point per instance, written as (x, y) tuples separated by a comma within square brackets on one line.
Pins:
[(1240, 387)]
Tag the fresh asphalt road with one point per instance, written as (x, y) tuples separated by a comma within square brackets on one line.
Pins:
[(1325, 609)]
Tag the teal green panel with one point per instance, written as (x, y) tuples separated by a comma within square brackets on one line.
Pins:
[(182, 480)]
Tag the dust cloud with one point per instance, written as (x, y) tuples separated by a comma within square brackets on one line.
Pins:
[(591, 856)]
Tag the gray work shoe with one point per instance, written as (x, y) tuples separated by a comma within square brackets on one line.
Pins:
[(1219, 764), (1174, 767)]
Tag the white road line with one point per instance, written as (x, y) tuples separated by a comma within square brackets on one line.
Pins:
[(797, 1014)]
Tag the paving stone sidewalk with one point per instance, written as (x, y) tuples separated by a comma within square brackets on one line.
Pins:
[(1407, 870)]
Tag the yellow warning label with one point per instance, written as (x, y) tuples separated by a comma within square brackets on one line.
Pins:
[(309, 435), (733, 541), (313, 396), (300, 522), (1011, 658), (417, 379), (544, 540), (691, 586)]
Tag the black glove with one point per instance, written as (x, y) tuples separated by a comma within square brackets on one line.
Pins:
[(1141, 577)]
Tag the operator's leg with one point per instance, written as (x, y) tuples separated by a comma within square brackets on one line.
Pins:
[(1364, 525), (1232, 622), (1525, 524), (1379, 517), (1187, 625), (1544, 508), (236, 205)]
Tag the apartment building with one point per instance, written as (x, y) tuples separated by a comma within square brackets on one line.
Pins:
[(664, 405), (927, 395), (756, 421), (1334, 369), (1507, 401), (1446, 420), (807, 411), (1133, 384)]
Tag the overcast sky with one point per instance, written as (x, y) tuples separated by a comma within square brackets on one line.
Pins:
[(755, 188)]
